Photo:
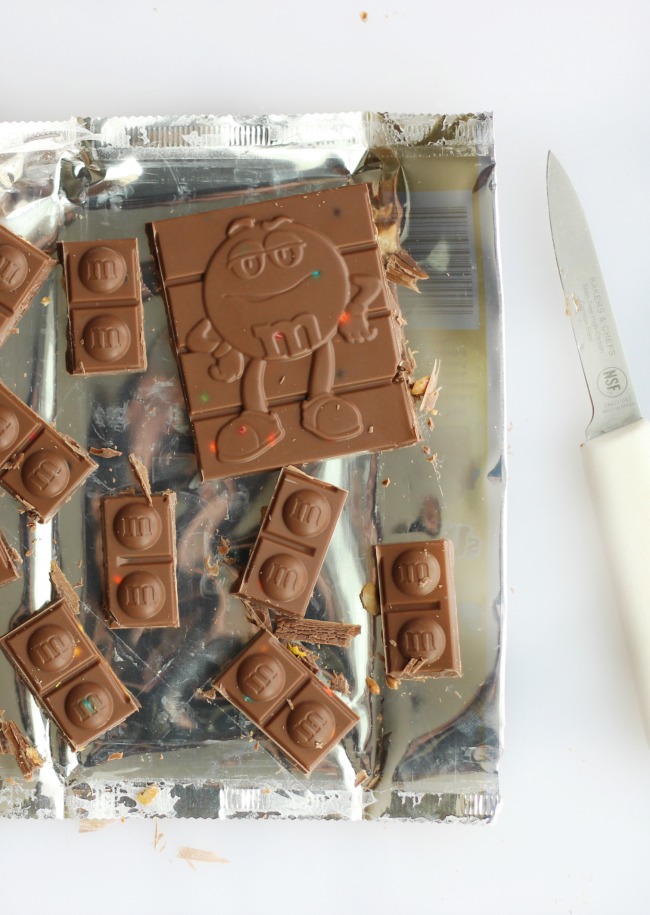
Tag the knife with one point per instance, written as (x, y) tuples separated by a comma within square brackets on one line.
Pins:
[(617, 451)]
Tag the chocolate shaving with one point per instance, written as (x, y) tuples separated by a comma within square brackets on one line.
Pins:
[(14, 743), (142, 476), (63, 588), (258, 615), (411, 669), (105, 452), (402, 269), (316, 632), (12, 559)]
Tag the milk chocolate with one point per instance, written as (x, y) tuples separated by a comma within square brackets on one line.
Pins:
[(105, 314), (292, 542), (38, 465), (140, 560), (23, 270), (9, 560), (286, 332), (67, 675), (418, 609), (287, 702)]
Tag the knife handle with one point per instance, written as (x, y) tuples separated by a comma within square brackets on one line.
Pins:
[(617, 466)]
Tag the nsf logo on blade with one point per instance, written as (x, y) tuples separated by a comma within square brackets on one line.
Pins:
[(612, 382)]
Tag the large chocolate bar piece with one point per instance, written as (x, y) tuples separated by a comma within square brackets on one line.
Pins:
[(38, 465), (418, 609), (140, 560), (67, 675), (286, 332), (287, 702), (9, 560), (105, 326), (23, 270), (292, 542)]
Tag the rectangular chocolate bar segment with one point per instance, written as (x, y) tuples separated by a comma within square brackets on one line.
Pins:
[(140, 560), (67, 675), (23, 270), (286, 332), (105, 326), (38, 465), (9, 560), (286, 701), (292, 542), (418, 609)]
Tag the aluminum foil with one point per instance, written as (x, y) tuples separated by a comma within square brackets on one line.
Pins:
[(430, 749)]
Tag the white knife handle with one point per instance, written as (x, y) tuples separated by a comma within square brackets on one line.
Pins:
[(617, 465)]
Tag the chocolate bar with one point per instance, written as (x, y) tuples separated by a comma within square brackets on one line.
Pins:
[(23, 270), (286, 332), (9, 560), (418, 609), (105, 314), (140, 560), (292, 542), (67, 675), (38, 465), (287, 702)]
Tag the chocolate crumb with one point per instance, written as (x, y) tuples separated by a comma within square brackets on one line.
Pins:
[(362, 775), (369, 598), (339, 684), (373, 686), (105, 452)]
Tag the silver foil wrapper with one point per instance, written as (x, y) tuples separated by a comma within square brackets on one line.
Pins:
[(430, 748)]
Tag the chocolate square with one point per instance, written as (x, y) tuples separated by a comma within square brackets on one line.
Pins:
[(90, 703), (418, 609), (49, 647), (286, 701), (67, 675), (23, 270), (51, 469), (140, 560), (106, 325), (292, 542)]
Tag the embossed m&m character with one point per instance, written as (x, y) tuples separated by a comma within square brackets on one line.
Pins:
[(274, 291)]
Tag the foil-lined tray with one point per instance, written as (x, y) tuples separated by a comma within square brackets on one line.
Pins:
[(430, 748)]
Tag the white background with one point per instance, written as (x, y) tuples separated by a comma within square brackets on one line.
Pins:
[(572, 835)]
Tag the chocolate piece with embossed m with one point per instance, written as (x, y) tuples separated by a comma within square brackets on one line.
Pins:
[(105, 326), (286, 701), (23, 270), (292, 542), (286, 332), (140, 560), (9, 561), (38, 465), (418, 609), (67, 675)]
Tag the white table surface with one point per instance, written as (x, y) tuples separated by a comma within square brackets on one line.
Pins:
[(572, 834)]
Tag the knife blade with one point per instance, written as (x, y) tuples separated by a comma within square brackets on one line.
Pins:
[(616, 453)]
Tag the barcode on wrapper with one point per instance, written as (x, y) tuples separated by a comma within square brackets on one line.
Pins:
[(439, 235)]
